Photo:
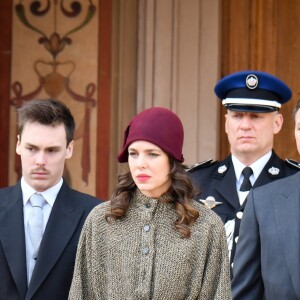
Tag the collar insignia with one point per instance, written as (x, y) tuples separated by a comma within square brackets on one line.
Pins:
[(210, 202), (274, 171), (222, 169), (251, 81)]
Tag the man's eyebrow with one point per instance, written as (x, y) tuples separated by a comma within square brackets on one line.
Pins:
[(54, 147), (30, 144)]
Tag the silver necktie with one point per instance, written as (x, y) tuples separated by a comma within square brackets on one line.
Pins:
[(35, 222)]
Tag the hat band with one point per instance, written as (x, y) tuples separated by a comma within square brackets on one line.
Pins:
[(250, 101)]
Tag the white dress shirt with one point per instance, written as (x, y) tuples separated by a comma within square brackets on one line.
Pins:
[(50, 196), (256, 167)]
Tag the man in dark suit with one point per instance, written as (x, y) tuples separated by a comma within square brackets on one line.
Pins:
[(267, 261), (253, 100), (38, 242)]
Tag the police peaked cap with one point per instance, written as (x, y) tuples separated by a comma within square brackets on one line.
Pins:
[(252, 91)]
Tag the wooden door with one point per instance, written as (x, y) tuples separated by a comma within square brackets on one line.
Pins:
[(264, 35)]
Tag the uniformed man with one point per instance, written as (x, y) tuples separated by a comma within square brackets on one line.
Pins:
[(253, 100)]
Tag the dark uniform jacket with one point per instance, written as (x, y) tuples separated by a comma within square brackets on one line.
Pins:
[(217, 179), (53, 272)]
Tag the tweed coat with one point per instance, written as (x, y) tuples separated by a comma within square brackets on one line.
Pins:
[(143, 256)]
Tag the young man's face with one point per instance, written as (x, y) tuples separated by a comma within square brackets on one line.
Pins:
[(43, 150), (251, 134)]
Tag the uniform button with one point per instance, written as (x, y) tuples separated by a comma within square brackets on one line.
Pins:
[(146, 250), (148, 205), (147, 227), (236, 239), (239, 215)]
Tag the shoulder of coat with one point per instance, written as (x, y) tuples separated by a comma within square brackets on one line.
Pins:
[(293, 163), (202, 165)]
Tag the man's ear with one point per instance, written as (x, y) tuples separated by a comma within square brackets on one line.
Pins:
[(18, 144), (277, 124), (69, 151), (226, 116)]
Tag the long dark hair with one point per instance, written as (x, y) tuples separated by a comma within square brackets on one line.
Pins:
[(181, 190), (296, 108)]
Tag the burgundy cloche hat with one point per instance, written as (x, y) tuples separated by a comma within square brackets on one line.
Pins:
[(159, 126)]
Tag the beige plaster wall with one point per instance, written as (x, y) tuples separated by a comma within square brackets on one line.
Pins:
[(166, 53), (178, 66)]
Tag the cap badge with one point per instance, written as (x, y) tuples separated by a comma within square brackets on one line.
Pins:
[(274, 171), (251, 81), (210, 202), (222, 169)]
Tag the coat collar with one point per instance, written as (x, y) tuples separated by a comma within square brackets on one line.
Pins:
[(226, 188), (269, 174)]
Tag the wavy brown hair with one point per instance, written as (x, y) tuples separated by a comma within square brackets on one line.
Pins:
[(181, 190), (296, 108)]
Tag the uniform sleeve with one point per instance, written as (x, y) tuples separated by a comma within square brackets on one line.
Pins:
[(81, 287), (216, 279), (247, 281)]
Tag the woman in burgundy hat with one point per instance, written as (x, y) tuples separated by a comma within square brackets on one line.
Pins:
[(152, 241)]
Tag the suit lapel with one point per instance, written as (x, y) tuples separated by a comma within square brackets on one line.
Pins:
[(287, 211), (226, 188), (62, 223), (13, 237), (266, 176)]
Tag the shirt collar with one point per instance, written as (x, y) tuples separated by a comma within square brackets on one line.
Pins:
[(49, 195), (256, 167)]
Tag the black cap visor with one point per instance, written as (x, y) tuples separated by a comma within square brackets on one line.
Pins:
[(251, 108)]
